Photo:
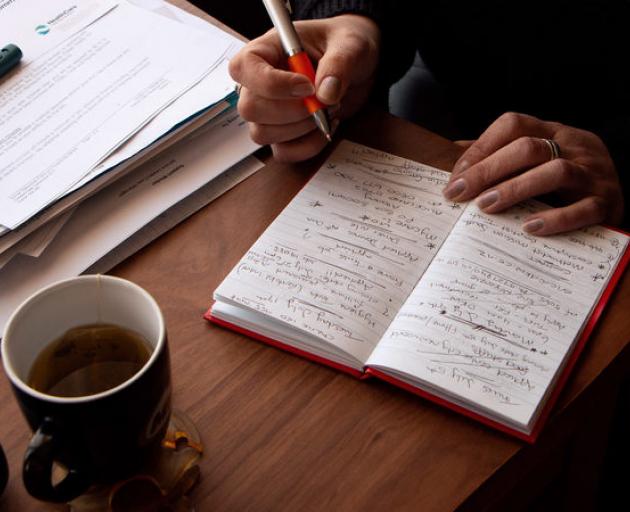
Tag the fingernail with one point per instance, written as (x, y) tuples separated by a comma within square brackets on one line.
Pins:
[(531, 226), (303, 89), (328, 90), (488, 199), (455, 189), (460, 166)]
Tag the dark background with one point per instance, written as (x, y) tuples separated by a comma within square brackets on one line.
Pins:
[(248, 17)]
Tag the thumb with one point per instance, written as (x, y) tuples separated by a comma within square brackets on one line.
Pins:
[(341, 65)]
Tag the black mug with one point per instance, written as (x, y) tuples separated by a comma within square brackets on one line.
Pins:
[(100, 438)]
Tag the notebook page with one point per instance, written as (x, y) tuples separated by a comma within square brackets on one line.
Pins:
[(343, 256), (496, 314)]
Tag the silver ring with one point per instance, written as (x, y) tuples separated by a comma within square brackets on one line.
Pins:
[(237, 89), (554, 149)]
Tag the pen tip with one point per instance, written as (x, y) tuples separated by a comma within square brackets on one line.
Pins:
[(328, 137)]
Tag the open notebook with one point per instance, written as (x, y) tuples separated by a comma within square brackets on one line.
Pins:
[(370, 270)]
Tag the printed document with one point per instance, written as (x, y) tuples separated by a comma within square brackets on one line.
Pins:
[(210, 157), (72, 106)]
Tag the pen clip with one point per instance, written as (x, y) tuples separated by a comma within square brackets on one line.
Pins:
[(287, 4)]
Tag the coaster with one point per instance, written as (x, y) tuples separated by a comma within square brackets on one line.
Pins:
[(162, 484)]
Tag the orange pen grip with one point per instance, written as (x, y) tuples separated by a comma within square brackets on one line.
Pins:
[(300, 63)]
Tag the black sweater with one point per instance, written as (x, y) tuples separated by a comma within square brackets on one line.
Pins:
[(559, 60)]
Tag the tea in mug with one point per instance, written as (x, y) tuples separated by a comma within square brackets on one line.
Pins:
[(89, 359)]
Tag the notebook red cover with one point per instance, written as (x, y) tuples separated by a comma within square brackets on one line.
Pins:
[(544, 415)]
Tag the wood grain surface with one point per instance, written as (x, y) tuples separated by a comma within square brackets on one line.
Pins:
[(282, 433)]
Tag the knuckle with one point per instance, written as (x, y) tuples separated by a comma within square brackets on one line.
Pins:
[(268, 85), (511, 120), (558, 220), (235, 67), (246, 107), (596, 139), (529, 145), (564, 170), (478, 151), (517, 189), (339, 61), (483, 176), (356, 44), (514, 190), (258, 134)]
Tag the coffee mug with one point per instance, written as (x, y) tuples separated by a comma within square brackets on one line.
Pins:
[(98, 438)]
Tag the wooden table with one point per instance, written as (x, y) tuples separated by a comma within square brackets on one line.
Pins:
[(282, 433)]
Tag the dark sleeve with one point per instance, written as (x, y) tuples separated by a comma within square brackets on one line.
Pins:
[(315, 9), (616, 135), (609, 86), (397, 44)]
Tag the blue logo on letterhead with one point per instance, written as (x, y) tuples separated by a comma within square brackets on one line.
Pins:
[(42, 30)]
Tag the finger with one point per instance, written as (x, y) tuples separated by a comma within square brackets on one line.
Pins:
[(523, 153), (544, 179), (302, 148), (273, 134), (585, 212), (257, 109), (464, 143), (505, 129), (348, 58), (256, 68)]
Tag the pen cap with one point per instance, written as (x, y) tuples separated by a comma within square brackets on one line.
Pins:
[(10, 55)]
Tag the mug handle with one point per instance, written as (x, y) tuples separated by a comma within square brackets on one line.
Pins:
[(38, 466)]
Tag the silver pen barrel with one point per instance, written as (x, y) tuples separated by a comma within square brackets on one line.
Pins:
[(280, 18)]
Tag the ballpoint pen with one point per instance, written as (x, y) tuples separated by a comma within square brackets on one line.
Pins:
[(10, 55), (299, 61)]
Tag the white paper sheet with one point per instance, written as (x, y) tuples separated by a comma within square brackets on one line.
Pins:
[(94, 91), (346, 252), (211, 89), (36, 243), (108, 218), (72, 200), (37, 26), (497, 313)]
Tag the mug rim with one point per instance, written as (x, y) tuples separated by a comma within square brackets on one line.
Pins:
[(23, 386)]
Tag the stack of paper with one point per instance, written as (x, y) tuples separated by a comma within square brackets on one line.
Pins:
[(103, 86)]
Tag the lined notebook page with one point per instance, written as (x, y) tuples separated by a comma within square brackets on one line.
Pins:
[(343, 256), (498, 311)]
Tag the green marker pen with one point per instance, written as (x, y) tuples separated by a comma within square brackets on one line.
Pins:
[(10, 55)]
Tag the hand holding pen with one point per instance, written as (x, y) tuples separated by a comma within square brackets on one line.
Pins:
[(299, 61), (272, 98)]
